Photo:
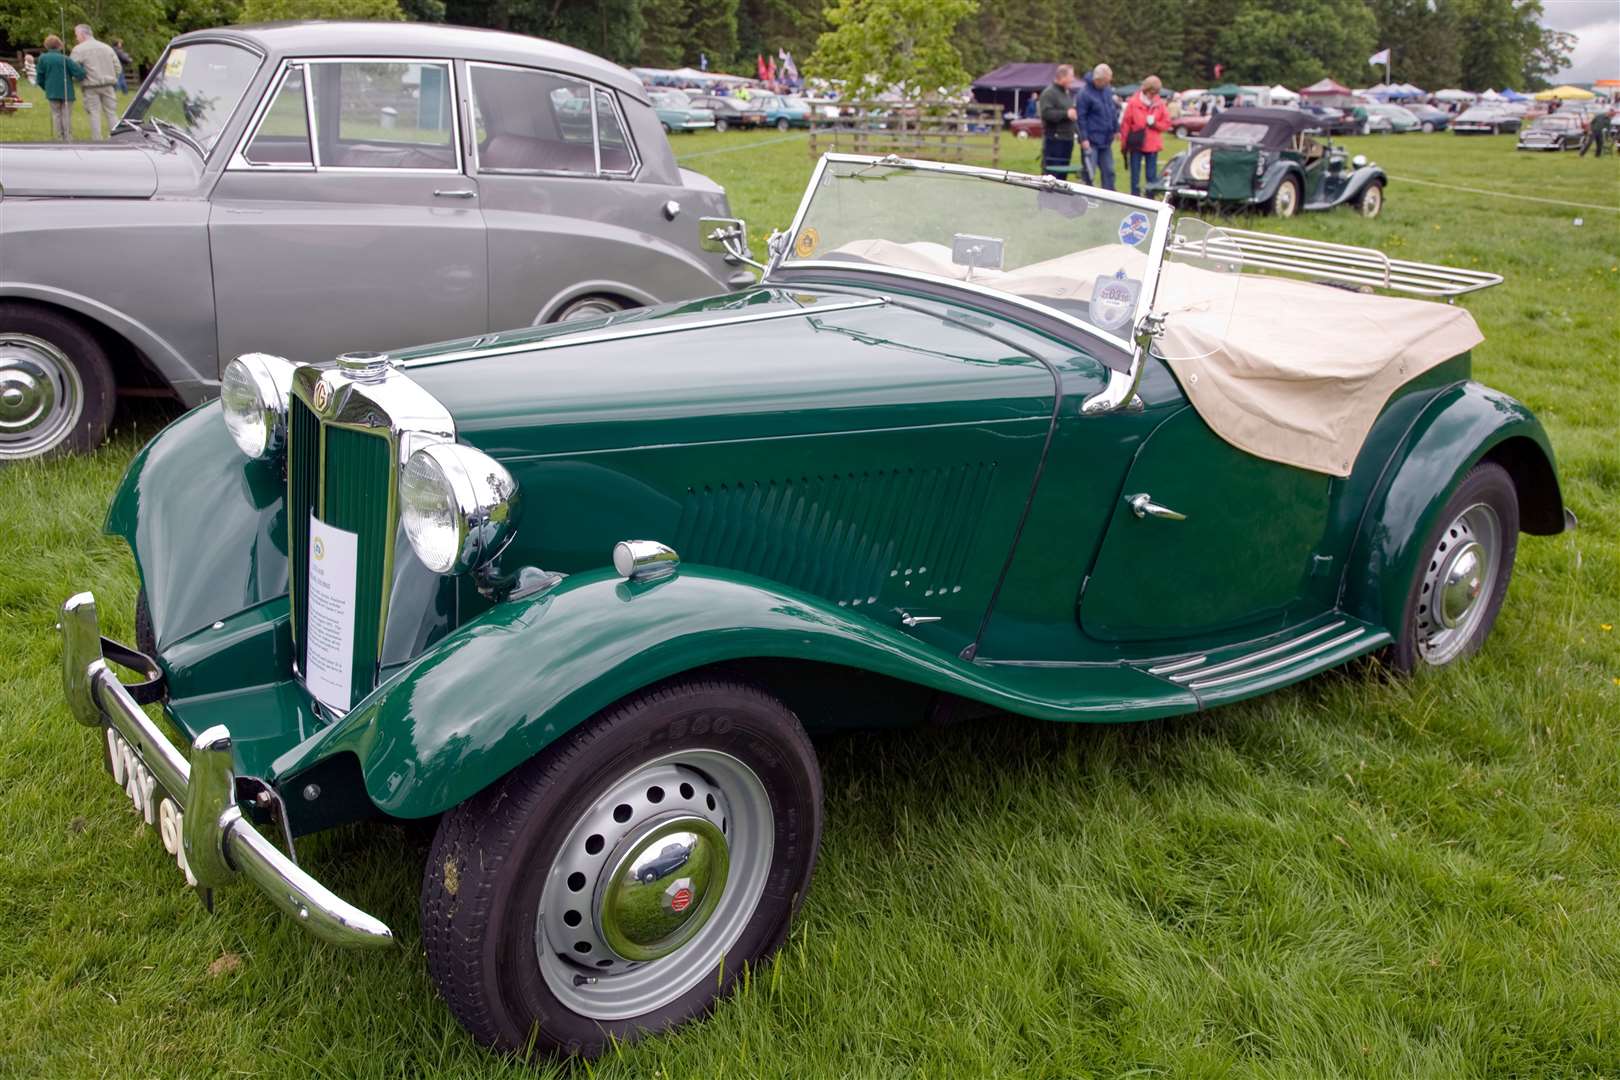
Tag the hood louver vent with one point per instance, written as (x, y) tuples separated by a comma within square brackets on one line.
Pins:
[(842, 536)]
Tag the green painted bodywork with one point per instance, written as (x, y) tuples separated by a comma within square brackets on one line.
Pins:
[(823, 474)]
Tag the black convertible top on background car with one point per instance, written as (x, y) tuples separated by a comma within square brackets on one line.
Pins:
[(1281, 125)]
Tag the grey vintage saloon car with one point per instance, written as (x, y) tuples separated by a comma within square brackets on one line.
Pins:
[(307, 187)]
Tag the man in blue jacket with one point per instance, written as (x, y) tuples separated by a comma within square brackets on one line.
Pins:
[(1097, 117)]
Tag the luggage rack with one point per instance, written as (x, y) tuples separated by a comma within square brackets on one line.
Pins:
[(1341, 263)]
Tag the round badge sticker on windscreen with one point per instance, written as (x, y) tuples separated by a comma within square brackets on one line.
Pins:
[(1134, 228), (1113, 302)]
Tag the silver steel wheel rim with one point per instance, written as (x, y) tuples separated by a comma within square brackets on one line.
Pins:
[(595, 981), (1285, 200), (41, 396), (1372, 202), (588, 309), (1445, 629)]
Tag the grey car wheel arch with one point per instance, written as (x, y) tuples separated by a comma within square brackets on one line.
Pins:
[(625, 295)]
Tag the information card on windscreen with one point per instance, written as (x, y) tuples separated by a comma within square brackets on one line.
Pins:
[(329, 623)]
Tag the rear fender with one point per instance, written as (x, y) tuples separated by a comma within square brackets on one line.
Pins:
[(507, 684), (207, 527), (1462, 426)]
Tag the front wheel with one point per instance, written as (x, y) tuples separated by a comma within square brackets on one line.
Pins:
[(720, 123), (540, 923), (57, 390), (782, 124), (1285, 204), (1370, 203), (1181, 133), (1461, 582), (1428, 127)]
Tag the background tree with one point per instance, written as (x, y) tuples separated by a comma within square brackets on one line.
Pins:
[(764, 26), (1296, 42), (712, 32), (908, 45), (664, 40), (143, 24)]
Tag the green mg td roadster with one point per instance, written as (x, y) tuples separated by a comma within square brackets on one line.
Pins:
[(975, 441)]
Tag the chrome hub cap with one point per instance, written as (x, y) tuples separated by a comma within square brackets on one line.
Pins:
[(654, 883), (1457, 584), (41, 397)]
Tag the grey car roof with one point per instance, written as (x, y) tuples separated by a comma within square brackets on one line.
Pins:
[(319, 38)]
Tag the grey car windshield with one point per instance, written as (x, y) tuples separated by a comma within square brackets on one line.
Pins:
[(196, 88)]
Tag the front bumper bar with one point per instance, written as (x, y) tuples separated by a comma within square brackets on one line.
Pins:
[(220, 844)]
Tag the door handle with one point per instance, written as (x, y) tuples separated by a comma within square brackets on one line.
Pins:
[(455, 193), (1143, 506), (908, 619)]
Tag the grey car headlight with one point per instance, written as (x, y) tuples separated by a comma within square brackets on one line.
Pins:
[(253, 393), (458, 506)]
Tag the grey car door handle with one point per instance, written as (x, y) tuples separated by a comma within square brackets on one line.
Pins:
[(455, 193), (1143, 506)]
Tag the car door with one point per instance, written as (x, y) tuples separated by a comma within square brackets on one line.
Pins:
[(346, 219), (570, 222)]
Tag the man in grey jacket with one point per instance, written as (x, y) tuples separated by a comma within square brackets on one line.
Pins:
[(1057, 122), (100, 86)]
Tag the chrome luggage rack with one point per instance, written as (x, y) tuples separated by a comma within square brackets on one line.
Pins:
[(1336, 262)]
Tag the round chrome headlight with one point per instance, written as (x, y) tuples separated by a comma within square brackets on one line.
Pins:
[(253, 394), (1359, 161), (1198, 167), (458, 507)]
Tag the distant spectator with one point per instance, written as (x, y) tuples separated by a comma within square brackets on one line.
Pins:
[(1098, 122), (101, 69), (124, 62), (55, 73), (1596, 132), (1057, 123), (1142, 129), (1031, 108)]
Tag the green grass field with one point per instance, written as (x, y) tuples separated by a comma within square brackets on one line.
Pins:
[(1355, 877)]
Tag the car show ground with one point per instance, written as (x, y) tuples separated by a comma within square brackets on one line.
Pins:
[(1353, 876)]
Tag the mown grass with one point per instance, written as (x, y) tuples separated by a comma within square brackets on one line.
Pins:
[(1357, 876)]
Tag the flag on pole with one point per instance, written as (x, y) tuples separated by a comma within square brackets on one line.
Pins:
[(1379, 58), (790, 70)]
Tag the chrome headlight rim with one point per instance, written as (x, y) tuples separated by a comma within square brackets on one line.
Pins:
[(480, 499), (259, 430)]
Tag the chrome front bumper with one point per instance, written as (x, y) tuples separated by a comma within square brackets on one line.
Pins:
[(220, 845)]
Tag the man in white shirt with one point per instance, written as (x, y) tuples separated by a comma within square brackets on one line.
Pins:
[(99, 88)]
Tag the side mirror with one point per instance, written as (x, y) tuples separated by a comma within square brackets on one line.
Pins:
[(725, 236)]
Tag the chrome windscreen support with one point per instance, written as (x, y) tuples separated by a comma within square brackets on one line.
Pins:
[(1121, 388)]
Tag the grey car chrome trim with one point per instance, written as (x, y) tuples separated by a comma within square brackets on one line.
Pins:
[(221, 846), (583, 337), (239, 161)]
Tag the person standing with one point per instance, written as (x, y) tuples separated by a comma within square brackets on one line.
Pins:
[(124, 62), (1596, 131), (1057, 123), (54, 71), (1099, 122), (1142, 129), (100, 84)]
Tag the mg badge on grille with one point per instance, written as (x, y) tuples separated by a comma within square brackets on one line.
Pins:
[(323, 396)]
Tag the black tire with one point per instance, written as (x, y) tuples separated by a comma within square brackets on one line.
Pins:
[(782, 124), (83, 426), (481, 894), (587, 307), (720, 123), (1286, 206), (1487, 484)]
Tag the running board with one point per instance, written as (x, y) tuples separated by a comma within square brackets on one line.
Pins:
[(1252, 667)]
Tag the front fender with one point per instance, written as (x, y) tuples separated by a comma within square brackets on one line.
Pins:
[(1358, 182), (207, 527), (505, 685), (1462, 426)]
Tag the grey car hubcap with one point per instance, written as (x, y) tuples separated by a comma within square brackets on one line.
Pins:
[(41, 396), (1458, 583), (654, 883)]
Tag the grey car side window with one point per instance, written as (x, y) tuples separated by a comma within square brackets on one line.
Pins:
[(282, 137), (384, 114), (532, 121)]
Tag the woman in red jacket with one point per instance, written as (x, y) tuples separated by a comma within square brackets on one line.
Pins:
[(1142, 130)]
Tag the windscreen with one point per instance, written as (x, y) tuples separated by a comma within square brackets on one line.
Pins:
[(1197, 291), (1077, 252), (196, 88)]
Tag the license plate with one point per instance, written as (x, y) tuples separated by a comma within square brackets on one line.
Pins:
[(154, 804)]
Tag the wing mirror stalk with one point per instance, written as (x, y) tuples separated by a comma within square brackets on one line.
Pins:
[(728, 237)]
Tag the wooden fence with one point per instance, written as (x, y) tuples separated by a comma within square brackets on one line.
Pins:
[(939, 132)]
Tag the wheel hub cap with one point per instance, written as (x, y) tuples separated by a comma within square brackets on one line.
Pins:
[(665, 882), (1461, 585), (40, 397)]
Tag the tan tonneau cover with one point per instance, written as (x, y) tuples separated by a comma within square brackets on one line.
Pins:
[(1290, 371)]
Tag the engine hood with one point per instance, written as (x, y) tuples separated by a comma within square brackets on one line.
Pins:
[(114, 170), (764, 364)]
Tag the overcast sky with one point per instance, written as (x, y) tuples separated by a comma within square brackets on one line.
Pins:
[(1596, 26)]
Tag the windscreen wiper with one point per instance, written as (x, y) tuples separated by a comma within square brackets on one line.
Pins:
[(178, 133)]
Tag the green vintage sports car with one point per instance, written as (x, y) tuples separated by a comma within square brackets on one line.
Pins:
[(976, 442)]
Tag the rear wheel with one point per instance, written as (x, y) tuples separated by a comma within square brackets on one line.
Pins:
[(1428, 127), (720, 123), (1460, 584), (57, 390), (1181, 133), (782, 124), (540, 924), (1285, 204), (1370, 203), (587, 307)]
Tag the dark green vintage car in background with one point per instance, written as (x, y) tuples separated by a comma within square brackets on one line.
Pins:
[(977, 442)]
